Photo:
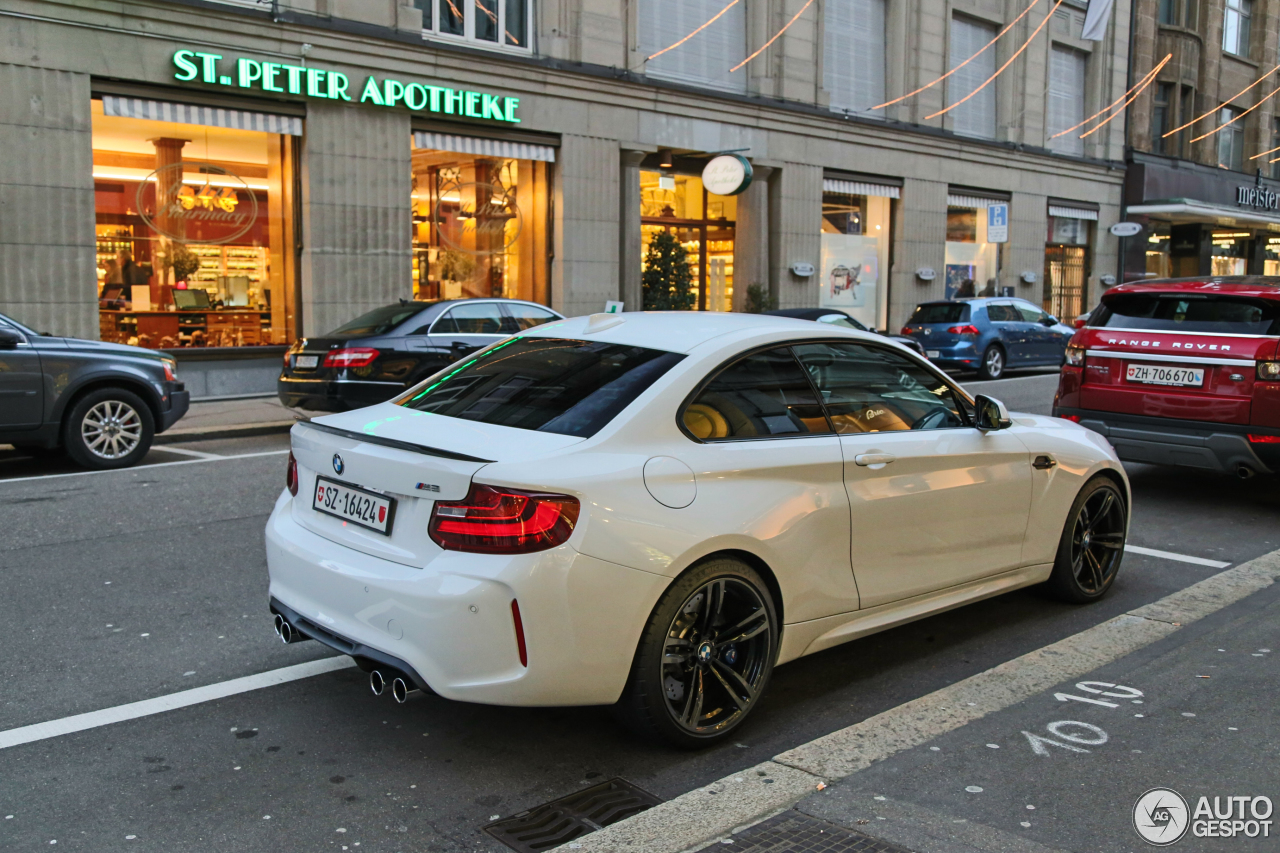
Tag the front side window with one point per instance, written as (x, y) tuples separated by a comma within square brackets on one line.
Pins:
[(477, 318), (1231, 139), (868, 389), (1003, 313), (762, 395), (557, 385), (1237, 15), (485, 22)]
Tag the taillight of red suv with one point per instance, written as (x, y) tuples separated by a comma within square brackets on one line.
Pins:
[(1269, 371), (498, 520)]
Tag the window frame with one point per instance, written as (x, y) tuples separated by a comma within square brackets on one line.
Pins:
[(502, 315), (1231, 130), (789, 344), (1243, 13), (431, 25)]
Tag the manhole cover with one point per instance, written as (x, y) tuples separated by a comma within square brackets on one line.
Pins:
[(559, 821), (796, 832)]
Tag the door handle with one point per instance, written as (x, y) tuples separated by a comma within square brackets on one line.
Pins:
[(869, 459), (1044, 462)]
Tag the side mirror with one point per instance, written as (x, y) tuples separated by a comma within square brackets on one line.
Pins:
[(991, 414), (1050, 321), (9, 338)]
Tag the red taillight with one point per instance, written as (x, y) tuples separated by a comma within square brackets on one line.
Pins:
[(291, 475), (963, 330), (351, 357), (520, 646), (906, 331), (1079, 322), (1264, 439), (1075, 419), (492, 520)]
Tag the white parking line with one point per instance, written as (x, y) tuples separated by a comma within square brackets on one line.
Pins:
[(1181, 558), (160, 704), (211, 458), (198, 454)]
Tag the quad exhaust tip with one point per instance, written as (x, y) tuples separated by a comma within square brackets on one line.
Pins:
[(377, 683), (400, 690), (286, 632)]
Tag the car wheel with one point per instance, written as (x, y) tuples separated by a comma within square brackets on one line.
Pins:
[(1092, 544), (704, 658), (108, 428), (992, 363)]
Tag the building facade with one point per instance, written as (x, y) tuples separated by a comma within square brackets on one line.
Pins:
[(1204, 162), (206, 176)]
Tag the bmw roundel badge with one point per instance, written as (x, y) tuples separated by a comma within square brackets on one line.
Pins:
[(337, 464)]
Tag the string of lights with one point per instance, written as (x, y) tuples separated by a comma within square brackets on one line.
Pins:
[(1001, 69), (1225, 125), (1225, 103), (715, 18), (999, 35), (765, 46), (1265, 153), (1150, 78), (1132, 90)]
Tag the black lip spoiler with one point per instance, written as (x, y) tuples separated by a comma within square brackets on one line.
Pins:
[(393, 442)]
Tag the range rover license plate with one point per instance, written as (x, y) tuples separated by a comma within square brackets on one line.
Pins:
[(1150, 374), (362, 508)]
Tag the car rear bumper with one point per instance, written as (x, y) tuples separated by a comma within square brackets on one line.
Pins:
[(334, 395), (451, 623), (1159, 441)]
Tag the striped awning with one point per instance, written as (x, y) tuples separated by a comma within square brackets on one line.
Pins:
[(115, 105), (1073, 212), (975, 201), (835, 185), (483, 147)]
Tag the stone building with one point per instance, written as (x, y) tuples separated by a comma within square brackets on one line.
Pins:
[(207, 175)]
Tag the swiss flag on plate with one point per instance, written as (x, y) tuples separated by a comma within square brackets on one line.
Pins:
[(382, 514)]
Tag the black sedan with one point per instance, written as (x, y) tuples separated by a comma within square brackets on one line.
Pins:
[(838, 318), (383, 352)]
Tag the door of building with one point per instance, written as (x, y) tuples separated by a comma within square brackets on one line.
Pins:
[(1066, 269)]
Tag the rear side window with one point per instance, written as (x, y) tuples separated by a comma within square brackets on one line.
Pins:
[(1003, 313), (555, 385), (762, 395), (842, 320), (525, 317), (379, 321), (1176, 312), (941, 312), (482, 318)]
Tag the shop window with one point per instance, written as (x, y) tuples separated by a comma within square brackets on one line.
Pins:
[(1159, 262), (1231, 139), (195, 234), (1067, 70), (853, 54), (486, 23), (1161, 115), (704, 224), (1271, 257), (855, 255), (479, 225), (977, 115), (1237, 18), (1230, 252), (1274, 158), (972, 263), (1066, 266), (704, 60)]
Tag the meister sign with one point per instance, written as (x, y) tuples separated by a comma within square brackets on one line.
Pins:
[(334, 85), (1257, 197)]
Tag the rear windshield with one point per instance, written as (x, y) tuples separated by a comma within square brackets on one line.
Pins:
[(546, 384), (1177, 312), (941, 312), (379, 321)]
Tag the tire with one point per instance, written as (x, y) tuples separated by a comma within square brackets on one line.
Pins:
[(108, 428), (1092, 544), (683, 659), (993, 363)]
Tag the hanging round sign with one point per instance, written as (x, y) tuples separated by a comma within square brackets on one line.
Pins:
[(1126, 229), (727, 174)]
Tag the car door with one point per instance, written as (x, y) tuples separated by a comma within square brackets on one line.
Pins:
[(467, 327), (769, 476), (21, 381), (1042, 343), (934, 502), (1011, 331)]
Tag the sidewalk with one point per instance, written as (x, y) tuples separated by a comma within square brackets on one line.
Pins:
[(233, 418)]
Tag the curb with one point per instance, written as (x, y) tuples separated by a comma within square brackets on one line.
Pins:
[(701, 816), (174, 436)]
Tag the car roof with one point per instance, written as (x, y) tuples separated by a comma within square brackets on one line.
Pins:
[(977, 300), (1267, 287), (683, 331), (806, 313)]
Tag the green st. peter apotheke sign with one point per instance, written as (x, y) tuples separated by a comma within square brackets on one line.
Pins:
[(334, 85)]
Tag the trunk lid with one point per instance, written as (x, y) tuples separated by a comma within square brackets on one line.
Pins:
[(411, 457)]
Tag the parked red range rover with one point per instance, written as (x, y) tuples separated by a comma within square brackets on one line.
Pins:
[(1182, 372)]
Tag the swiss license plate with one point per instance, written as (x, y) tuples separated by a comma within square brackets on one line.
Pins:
[(1150, 374), (306, 362), (358, 506), (933, 353)]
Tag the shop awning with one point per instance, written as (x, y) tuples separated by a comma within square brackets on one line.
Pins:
[(835, 185), (1189, 211), (1073, 212), (115, 105), (976, 201), (483, 147)]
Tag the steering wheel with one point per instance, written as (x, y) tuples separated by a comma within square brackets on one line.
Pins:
[(936, 418)]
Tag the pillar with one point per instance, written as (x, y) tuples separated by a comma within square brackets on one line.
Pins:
[(630, 291), (751, 237)]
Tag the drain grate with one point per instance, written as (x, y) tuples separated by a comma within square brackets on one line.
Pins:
[(562, 820), (795, 832)]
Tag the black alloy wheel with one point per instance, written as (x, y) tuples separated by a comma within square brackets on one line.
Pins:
[(992, 366), (705, 657), (1092, 544)]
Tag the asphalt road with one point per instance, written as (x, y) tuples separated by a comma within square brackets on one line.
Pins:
[(129, 585)]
